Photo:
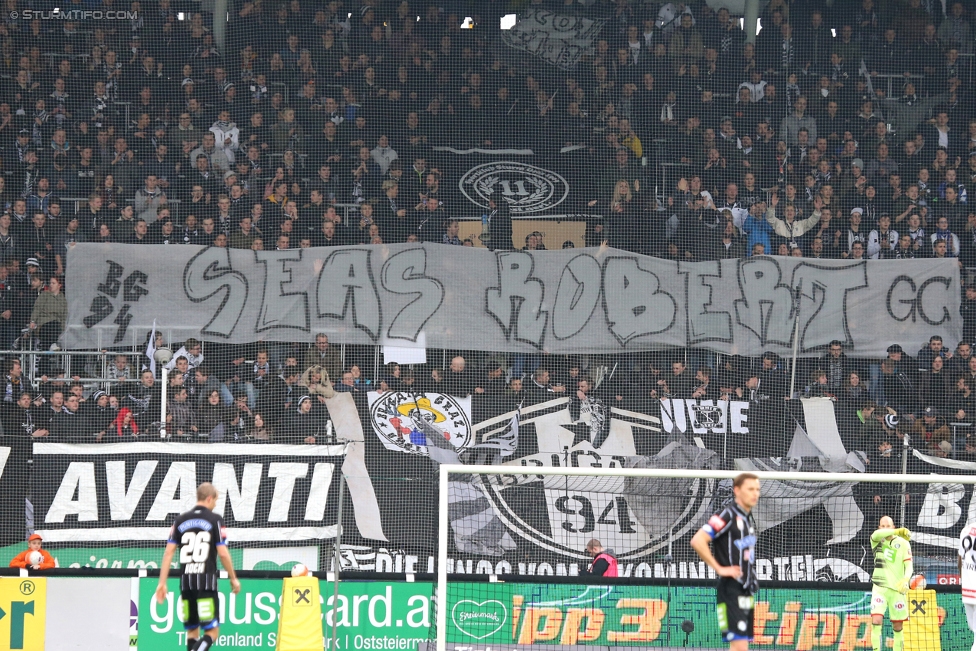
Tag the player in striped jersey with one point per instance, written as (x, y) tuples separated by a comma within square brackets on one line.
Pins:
[(732, 535), (201, 538)]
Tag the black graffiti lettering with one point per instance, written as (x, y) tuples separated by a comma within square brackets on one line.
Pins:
[(564, 23), (766, 306), (633, 301), (281, 308), (346, 285), (897, 291), (906, 300), (704, 325), (516, 304), (113, 279), (940, 303), (575, 455), (101, 308), (209, 273), (135, 286), (823, 302), (405, 273), (577, 296), (566, 505), (122, 319)]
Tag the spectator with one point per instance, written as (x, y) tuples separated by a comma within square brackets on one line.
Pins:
[(301, 425), (324, 355), (50, 315), (180, 415), (213, 418), (70, 425), (540, 389), (191, 351), (34, 545), (316, 383), (202, 382), (931, 433), (791, 124), (143, 399), (124, 426), (216, 158), (934, 349), (279, 396)]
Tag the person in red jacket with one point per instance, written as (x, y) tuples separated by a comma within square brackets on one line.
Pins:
[(604, 562), (33, 545)]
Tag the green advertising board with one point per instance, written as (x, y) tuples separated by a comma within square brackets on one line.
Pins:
[(369, 615), (630, 615), (398, 615)]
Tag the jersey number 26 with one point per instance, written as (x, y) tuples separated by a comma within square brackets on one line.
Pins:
[(195, 547)]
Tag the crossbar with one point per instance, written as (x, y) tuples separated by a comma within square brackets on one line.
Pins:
[(665, 473)]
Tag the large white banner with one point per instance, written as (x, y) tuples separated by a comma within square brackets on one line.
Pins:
[(567, 301)]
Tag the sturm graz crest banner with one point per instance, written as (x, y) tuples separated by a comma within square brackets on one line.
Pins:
[(528, 190), (539, 525), (554, 185)]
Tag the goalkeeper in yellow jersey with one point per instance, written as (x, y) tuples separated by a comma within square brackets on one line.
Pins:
[(891, 578)]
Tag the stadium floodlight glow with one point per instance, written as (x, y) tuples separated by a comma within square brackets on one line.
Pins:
[(508, 21), (695, 493)]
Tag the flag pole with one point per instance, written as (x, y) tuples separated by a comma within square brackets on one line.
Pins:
[(796, 339), (162, 407)]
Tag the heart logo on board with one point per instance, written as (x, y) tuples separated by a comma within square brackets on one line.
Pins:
[(479, 620)]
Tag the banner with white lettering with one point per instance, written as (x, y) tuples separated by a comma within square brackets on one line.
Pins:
[(132, 491), (556, 39), (101, 494), (567, 301), (14, 474)]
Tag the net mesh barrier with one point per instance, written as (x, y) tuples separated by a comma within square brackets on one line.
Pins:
[(370, 238), (551, 597)]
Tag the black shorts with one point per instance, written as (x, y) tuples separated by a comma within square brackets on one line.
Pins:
[(734, 611), (200, 609)]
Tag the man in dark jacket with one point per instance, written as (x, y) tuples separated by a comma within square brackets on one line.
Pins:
[(500, 223), (302, 424), (458, 381), (837, 365), (279, 396), (143, 399), (99, 414), (71, 426)]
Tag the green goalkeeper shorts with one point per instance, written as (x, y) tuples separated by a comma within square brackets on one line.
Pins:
[(892, 601)]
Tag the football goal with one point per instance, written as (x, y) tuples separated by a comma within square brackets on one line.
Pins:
[(645, 518)]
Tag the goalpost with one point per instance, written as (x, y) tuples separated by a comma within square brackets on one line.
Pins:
[(663, 508)]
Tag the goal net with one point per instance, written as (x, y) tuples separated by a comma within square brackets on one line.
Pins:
[(645, 518)]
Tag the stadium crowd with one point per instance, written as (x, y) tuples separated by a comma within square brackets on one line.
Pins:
[(845, 131)]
